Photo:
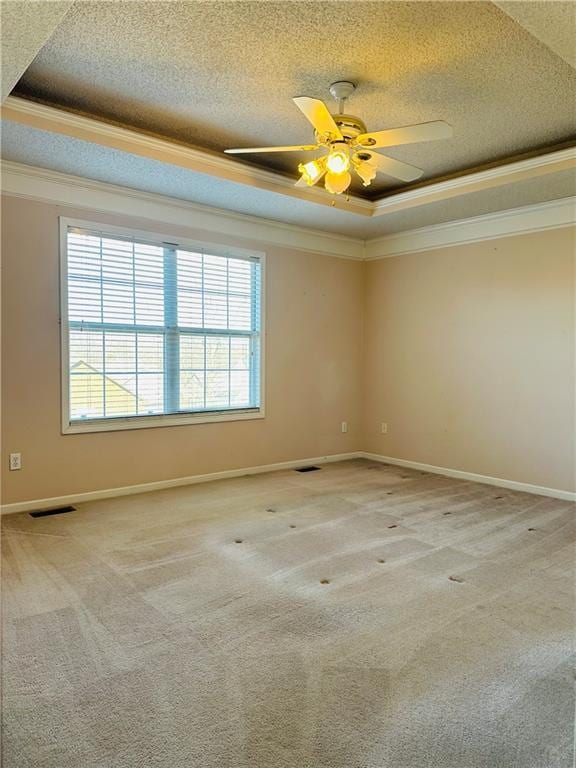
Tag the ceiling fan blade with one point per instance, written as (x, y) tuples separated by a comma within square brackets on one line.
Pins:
[(394, 168), (409, 134), (299, 148), (318, 114)]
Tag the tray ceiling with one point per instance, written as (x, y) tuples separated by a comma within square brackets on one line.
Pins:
[(31, 146), (221, 74)]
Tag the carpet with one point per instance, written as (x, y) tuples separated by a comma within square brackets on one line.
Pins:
[(360, 616)]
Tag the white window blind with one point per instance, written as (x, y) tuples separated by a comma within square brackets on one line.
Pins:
[(157, 329)]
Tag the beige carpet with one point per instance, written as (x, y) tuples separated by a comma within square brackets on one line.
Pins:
[(191, 628)]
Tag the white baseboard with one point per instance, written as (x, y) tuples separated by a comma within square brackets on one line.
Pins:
[(513, 485), (127, 490)]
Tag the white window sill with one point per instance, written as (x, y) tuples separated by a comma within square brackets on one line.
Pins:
[(162, 420)]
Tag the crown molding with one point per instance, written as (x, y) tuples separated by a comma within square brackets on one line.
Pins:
[(76, 192), (43, 185), (478, 181), (516, 221), (221, 166)]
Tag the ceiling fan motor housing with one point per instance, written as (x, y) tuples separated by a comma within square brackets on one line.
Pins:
[(350, 126)]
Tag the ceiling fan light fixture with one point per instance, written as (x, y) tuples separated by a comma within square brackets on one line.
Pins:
[(345, 140), (336, 183), (338, 160), (366, 171), (311, 171)]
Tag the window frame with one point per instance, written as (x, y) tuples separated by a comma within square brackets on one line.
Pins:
[(119, 423)]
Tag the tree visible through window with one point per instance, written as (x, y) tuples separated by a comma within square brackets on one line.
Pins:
[(158, 329)]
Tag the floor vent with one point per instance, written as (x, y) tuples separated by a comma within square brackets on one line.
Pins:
[(308, 469), (47, 512)]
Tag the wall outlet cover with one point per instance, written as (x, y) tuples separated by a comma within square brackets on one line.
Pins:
[(15, 461)]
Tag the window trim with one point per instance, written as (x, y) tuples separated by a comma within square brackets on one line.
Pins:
[(153, 421)]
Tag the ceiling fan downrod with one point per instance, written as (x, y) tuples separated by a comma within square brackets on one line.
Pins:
[(340, 91)]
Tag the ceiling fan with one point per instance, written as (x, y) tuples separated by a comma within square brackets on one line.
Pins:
[(347, 146)]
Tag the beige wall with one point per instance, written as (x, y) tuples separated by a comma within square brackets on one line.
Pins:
[(466, 352), (313, 370), (469, 358)]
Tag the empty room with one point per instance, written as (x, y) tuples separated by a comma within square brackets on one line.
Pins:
[(288, 391)]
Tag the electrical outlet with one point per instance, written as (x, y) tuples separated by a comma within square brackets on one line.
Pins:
[(344, 426), (15, 461), (384, 428)]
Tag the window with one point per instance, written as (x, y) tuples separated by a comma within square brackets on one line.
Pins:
[(157, 333)]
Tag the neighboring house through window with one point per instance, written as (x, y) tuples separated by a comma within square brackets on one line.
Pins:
[(157, 333)]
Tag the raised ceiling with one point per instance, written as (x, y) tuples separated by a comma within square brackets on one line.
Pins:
[(30, 146), (25, 28), (221, 74)]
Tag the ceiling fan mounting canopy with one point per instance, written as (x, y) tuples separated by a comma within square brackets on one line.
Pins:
[(350, 146), (342, 90)]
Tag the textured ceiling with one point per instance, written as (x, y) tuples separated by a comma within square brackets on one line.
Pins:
[(554, 23), (26, 25), (220, 74), (61, 153)]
